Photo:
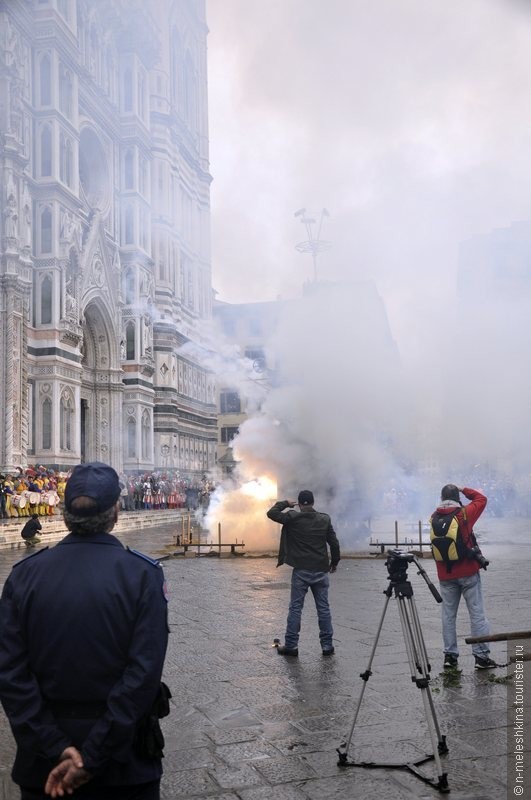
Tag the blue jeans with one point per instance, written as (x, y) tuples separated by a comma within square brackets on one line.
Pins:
[(451, 592), (318, 582)]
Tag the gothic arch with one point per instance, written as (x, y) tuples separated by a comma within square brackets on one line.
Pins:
[(101, 388), (100, 350)]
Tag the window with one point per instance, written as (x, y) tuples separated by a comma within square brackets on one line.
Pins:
[(141, 104), (130, 342), (66, 413), (46, 81), (65, 167), (146, 427), (129, 225), (46, 301), (131, 438), (110, 74), (228, 434), (189, 93), (129, 170), (256, 355), (93, 51), (186, 216), (175, 49), (182, 271), (255, 327), (46, 231), (200, 293), (46, 152), (230, 402), (143, 176), (128, 90), (130, 288), (144, 234), (47, 424), (190, 300), (62, 7), (65, 91)]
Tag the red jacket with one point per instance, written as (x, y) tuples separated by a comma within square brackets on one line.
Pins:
[(468, 566)]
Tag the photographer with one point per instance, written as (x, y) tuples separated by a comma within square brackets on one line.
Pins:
[(306, 537), (461, 576)]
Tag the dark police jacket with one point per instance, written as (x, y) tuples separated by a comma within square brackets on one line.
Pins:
[(83, 636), (304, 538)]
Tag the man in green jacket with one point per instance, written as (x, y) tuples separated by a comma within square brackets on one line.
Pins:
[(306, 536)]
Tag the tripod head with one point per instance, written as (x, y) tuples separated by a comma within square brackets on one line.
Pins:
[(397, 563)]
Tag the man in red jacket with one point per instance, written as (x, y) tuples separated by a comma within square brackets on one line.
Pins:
[(462, 578)]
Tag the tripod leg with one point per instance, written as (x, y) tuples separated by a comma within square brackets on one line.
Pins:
[(423, 653), (411, 652), (344, 748), (418, 659), (421, 645), (441, 739), (429, 712)]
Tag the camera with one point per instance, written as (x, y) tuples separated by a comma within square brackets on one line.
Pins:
[(475, 554), (396, 564)]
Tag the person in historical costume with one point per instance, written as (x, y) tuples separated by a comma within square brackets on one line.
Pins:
[(21, 486), (9, 489)]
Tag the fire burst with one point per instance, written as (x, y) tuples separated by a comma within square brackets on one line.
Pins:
[(241, 512)]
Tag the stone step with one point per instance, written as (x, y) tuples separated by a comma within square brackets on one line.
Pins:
[(53, 528)]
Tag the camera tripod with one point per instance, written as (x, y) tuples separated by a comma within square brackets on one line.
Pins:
[(397, 563)]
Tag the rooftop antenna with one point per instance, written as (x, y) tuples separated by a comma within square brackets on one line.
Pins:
[(313, 244)]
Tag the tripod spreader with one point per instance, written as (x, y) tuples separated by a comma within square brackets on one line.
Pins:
[(399, 586)]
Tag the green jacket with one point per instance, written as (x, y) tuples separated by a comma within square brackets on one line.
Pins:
[(304, 538)]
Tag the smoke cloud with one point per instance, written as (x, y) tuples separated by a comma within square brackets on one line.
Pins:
[(408, 121)]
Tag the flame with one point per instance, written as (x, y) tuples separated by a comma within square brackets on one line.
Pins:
[(241, 513), (262, 488)]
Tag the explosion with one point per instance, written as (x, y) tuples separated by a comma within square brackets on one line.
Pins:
[(241, 512)]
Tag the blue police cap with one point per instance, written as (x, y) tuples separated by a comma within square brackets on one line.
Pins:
[(96, 480)]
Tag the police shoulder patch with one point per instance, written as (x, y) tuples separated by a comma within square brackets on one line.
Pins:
[(153, 561), (31, 555)]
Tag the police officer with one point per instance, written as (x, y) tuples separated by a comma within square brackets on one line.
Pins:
[(83, 636)]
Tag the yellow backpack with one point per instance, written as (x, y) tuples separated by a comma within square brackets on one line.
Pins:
[(446, 538)]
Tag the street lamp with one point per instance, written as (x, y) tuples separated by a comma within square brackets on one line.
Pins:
[(313, 244)]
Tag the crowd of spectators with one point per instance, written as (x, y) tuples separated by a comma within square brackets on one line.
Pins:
[(40, 490), (165, 490)]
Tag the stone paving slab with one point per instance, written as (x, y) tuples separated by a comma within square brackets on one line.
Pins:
[(247, 724)]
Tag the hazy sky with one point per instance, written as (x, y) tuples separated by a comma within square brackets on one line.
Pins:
[(409, 120)]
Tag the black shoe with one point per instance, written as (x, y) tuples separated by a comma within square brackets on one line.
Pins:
[(287, 651), (484, 663), (450, 661), (329, 652)]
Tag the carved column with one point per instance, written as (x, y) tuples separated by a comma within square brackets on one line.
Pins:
[(14, 303)]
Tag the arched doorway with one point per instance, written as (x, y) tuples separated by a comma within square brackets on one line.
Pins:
[(101, 388)]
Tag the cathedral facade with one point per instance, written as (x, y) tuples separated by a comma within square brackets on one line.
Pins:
[(105, 275)]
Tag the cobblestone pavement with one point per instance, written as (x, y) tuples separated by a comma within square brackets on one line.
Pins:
[(249, 724)]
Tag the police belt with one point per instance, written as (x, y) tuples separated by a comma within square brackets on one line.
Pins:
[(77, 710)]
